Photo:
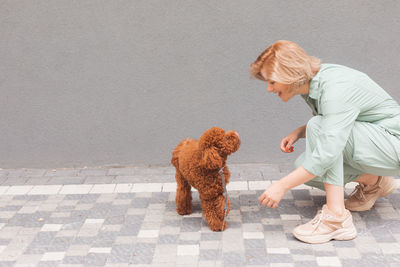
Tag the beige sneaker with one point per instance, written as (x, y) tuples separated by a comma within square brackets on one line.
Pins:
[(326, 226), (364, 196)]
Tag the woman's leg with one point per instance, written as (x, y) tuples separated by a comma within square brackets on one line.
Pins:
[(333, 221), (371, 151), (335, 199)]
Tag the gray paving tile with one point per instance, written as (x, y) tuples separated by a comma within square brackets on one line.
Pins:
[(96, 259), (15, 181), (321, 253), (99, 180), (370, 259), (60, 243), (159, 197), (168, 239), (234, 259), (118, 210), (122, 171), (273, 227), (309, 264), (120, 253), (43, 239), (125, 196), (93, 172), (393, 259), (343, 244), (3, 179), (49, 263), (250, 217), (302, 194), (7, 263), (254, 243), (382, 235), (210, 255), (105, 238), (140, 203), (130, 229), (66, 180), (74, 260), (11, 208), (83, 240), (114, 219), (14, 172), (187, 242), (4, 242), (279, 258), (191, 224), (65, 172), (37, 180), (302, 251), (35, 249), (211, 236)]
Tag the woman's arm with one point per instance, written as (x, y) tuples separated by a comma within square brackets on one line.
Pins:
[(274, 193), (302, 131)]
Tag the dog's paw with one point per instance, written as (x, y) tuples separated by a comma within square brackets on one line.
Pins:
[(183, 211), (219, 227)]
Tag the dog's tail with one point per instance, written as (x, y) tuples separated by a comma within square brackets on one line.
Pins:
[(176, 152)]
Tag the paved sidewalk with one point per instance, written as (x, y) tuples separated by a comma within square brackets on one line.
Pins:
[(126, 216)]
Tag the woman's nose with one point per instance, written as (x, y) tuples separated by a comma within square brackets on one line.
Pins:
[(269, 87)]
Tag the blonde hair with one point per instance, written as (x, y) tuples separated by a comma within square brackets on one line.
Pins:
[(285, 62)]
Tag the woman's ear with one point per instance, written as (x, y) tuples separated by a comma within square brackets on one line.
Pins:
[(211, 159)]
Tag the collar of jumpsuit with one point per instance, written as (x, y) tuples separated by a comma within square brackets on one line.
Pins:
[(315, 89)]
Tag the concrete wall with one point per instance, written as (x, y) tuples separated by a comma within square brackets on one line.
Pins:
[(89, 83)]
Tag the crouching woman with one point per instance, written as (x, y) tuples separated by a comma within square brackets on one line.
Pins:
[(354, 135)]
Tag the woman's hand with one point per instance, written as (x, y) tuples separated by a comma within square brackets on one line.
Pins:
[(273, 195), (288, 141)]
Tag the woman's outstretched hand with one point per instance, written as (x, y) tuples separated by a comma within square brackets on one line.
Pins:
[(273, 195), (288, 141)]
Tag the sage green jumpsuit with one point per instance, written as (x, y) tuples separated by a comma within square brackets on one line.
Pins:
[(355, 128)]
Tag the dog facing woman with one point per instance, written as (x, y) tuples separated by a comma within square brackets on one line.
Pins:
[(354, 135)]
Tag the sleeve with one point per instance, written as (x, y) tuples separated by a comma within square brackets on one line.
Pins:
[(337, 121)]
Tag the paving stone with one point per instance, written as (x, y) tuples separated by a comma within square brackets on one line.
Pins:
[(15, 181), (234, 258), (66, 180), (96, 259), (74, 260)]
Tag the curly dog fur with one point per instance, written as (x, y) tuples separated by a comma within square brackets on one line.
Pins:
[(197, 163)]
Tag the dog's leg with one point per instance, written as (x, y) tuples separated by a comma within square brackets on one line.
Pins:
[(213, 211), (183, 197)]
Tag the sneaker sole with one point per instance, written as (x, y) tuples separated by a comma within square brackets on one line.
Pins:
[(371, 203), (341, 234)]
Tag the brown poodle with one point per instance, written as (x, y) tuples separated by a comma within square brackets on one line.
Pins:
[(197, 164)]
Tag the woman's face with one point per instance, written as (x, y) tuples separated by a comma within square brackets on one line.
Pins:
[(283, 90)]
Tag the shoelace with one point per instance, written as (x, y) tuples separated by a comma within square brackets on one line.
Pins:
[(360, 191), (321, 216), (317, 219)]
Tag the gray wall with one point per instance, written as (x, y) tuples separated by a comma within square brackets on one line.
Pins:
[(91, 83)]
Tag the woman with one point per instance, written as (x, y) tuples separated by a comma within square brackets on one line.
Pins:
[(354, 135)]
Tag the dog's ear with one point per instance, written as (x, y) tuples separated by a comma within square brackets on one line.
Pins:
[(211, 159), (232, 142)]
